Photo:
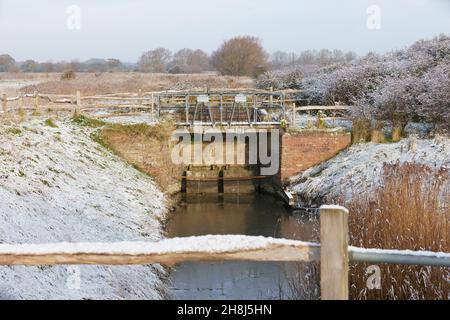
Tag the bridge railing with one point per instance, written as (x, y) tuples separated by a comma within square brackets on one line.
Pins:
[(333, 253), (232, 107), (223, 106)]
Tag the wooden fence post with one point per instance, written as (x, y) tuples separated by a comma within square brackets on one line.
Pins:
[(20, 110), (153, 103), (334, 253), (4, 102), (36, 101), (78, 106)]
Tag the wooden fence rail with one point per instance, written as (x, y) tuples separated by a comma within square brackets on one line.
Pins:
[(178, 100), (333, 252)]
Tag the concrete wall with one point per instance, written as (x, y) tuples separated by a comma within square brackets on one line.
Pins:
[(305, 149)]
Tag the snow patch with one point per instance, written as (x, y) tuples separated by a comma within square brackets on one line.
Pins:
[(204, 244)]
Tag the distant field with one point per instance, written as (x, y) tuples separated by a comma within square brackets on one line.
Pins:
[(104, 83)]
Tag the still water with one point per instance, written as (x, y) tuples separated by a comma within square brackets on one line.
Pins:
[(255, 215)]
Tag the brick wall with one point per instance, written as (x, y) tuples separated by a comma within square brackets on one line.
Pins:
[(303, 150)]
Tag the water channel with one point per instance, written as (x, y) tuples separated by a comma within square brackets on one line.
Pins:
[(255, 215)]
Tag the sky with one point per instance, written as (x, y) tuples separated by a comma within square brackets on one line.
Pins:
[(53, 30)]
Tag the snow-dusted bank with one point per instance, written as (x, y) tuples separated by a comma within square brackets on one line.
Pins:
[(360, 167), (57, 185)]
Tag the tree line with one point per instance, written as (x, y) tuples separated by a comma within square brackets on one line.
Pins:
[(401, 86), (239, 56)]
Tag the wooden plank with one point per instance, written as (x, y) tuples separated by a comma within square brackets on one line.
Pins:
[(168, 252), (334, 253), (36, 101)]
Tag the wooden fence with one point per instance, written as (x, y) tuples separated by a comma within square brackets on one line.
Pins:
[(336, 111), (333, 253), (220, 103)]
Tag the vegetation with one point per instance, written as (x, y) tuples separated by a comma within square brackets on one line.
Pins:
[(50, 123), (155, 60), (84, 121), (7, 63), (409, 212), (14, 131), (145, 147), (240, 56), (98, 83), (68, 75), (398, 87)]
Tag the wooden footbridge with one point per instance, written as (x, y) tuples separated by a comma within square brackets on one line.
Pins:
[(225, 108)]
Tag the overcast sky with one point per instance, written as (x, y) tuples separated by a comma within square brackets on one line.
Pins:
[(125, 28)]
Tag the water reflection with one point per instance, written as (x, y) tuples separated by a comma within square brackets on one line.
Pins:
[(247, 215)]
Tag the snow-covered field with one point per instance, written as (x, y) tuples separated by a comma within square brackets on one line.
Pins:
[(57, 185), (360, 167)]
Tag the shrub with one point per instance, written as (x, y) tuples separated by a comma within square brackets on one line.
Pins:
[(50, 123), (291, 78), (240, 56), (360, 131), (402, 86)]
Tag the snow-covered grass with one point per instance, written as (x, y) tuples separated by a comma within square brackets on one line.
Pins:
[(203, 244), (57, 185), (360, 167)]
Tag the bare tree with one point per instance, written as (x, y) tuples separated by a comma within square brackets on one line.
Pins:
[(189, 61), (155, 60), (307, 57), (46, 67), (29, 66), (281, 59), (7, 63), (241, 56), (113, 64)]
